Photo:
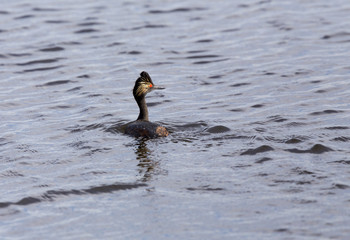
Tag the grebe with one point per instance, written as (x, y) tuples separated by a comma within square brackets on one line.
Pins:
[(142, 127)]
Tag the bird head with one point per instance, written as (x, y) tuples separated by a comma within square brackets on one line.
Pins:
[(143, 85)]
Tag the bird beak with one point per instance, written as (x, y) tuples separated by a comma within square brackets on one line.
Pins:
[(158, 87)]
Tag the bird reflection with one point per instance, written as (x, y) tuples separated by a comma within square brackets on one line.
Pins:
[(147, 166)]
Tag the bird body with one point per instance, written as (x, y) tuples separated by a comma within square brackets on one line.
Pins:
[(141, 128)]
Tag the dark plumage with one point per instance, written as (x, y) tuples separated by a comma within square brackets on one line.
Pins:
[(142, 127)]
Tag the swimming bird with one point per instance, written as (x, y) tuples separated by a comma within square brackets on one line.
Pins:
[(142, 127)]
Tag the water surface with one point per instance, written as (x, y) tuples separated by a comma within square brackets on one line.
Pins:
[(256, 101)]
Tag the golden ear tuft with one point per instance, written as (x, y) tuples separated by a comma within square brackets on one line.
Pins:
[(141, 90)]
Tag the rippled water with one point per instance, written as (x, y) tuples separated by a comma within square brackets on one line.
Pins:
[(256, 100)]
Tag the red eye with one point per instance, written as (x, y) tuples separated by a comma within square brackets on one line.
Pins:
[(150, 85)]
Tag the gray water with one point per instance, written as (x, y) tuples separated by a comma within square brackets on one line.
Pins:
[(257, 102)]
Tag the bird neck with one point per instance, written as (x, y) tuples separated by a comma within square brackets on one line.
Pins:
[(143, 108)]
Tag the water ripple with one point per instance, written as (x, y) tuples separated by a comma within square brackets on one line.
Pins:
[(316, 149), (176, 10), (53, 194)]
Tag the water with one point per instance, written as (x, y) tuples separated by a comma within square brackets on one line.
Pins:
[(256, 100)]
